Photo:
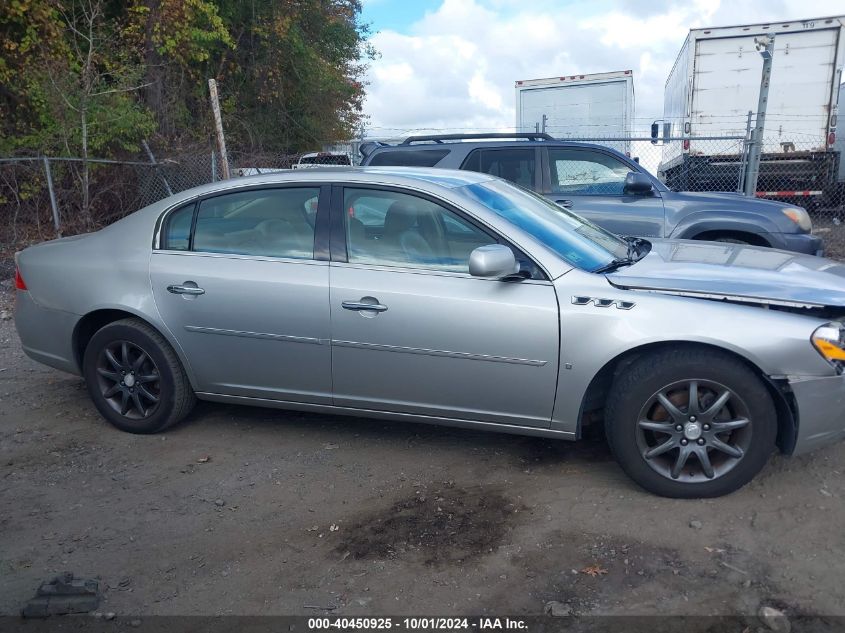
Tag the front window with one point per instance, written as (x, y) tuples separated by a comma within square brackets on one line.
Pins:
[(584, 172), (389, 228), (578, 241)]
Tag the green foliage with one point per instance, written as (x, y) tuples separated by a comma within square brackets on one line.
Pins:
[(106, 74)]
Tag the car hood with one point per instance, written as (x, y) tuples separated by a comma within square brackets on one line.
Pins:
[(735, 271)]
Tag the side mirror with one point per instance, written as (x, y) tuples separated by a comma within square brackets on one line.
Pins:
[(637, 184), (493, 261)]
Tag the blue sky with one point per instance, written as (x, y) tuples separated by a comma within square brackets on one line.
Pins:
[(397, 15), (451, 64)]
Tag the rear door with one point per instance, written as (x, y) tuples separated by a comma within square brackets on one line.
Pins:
[(516, 164), (591, 183), (242, 288)]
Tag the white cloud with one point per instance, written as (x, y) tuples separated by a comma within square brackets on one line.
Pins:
[(455, 68)]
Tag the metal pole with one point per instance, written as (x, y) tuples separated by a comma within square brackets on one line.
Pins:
[(56, 221), (543, 126), (766, 47), (155, 165), (746, 146), (213, 166), (218, 129)]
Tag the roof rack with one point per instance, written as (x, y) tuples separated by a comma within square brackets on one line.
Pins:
[(439, 138)]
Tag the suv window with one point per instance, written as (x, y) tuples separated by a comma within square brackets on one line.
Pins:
[(409, 158), (587, 172), (268, 222), (517, 165), (389, 228)]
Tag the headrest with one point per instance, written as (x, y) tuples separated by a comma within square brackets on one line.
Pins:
[(399, 218)]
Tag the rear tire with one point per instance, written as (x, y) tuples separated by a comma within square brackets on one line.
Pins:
[(714, 434), (135, 378)]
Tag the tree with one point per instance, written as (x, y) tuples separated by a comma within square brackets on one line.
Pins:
[(93, 90), (98, 76), (295, 76)]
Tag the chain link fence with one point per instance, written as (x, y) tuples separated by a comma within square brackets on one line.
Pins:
[(42, 197)]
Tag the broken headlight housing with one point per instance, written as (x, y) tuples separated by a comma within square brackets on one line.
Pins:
[(829, 341)]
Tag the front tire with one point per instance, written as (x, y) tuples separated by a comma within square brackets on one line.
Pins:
[(690, 422), (135, 378)]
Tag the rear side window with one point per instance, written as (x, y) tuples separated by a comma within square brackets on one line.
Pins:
[(516, 165), (409, 158), (263, 222), (177, 229)]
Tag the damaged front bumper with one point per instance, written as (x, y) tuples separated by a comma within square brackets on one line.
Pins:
[(820, 404)]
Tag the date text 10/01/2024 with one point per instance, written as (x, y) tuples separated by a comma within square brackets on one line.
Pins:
[(410, 624)]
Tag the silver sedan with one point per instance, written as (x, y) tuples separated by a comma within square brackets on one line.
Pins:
[(448, 298)]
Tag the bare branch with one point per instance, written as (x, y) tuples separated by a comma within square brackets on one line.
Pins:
[(113, 90)]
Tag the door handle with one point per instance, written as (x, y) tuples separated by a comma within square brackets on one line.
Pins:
[(360, 305), (566, 204), (185, 290)]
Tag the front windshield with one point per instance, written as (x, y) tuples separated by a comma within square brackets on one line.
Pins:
[(578, 241)]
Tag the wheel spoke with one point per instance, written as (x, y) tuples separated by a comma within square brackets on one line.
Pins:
[(110, 357), (720, 402), (136, 400), (668, 445), (124, 402), (142, 378), (148, 395), (692, 407), (139, 361), (680, 462), (704, 460), (657, 427), (111, 375), (124, 353), (731, 425), (108, 393), (719, 445), (673, 411)]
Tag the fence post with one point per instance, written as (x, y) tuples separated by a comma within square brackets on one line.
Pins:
[(218, 128), (56, 220), (213, 166), (155, 166), (766, 48), (746, 147)]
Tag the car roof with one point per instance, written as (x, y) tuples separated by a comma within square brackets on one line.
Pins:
[(449, 178), (400, 176), (492, 144)]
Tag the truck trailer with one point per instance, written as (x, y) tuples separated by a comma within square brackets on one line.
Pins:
[(714, 84), (600, 105)]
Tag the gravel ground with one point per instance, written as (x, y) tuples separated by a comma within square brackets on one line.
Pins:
[(255, 511)]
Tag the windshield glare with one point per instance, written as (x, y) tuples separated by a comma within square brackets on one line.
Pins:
[(580, 242)]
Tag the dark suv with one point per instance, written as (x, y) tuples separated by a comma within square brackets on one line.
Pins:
[(607, 187)]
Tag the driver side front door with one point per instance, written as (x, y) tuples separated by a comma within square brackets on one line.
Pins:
[(592, 184), (413, 331)]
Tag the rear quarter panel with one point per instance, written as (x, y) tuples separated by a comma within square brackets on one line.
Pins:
[(108, 269)]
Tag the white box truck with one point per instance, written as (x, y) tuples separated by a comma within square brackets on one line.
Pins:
[(715, 82), (600, 105)]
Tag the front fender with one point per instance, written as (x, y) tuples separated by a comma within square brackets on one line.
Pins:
[(776, 343), (729, 221)]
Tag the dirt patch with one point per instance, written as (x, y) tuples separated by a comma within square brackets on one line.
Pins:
[(445, 524), (612, 574)]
